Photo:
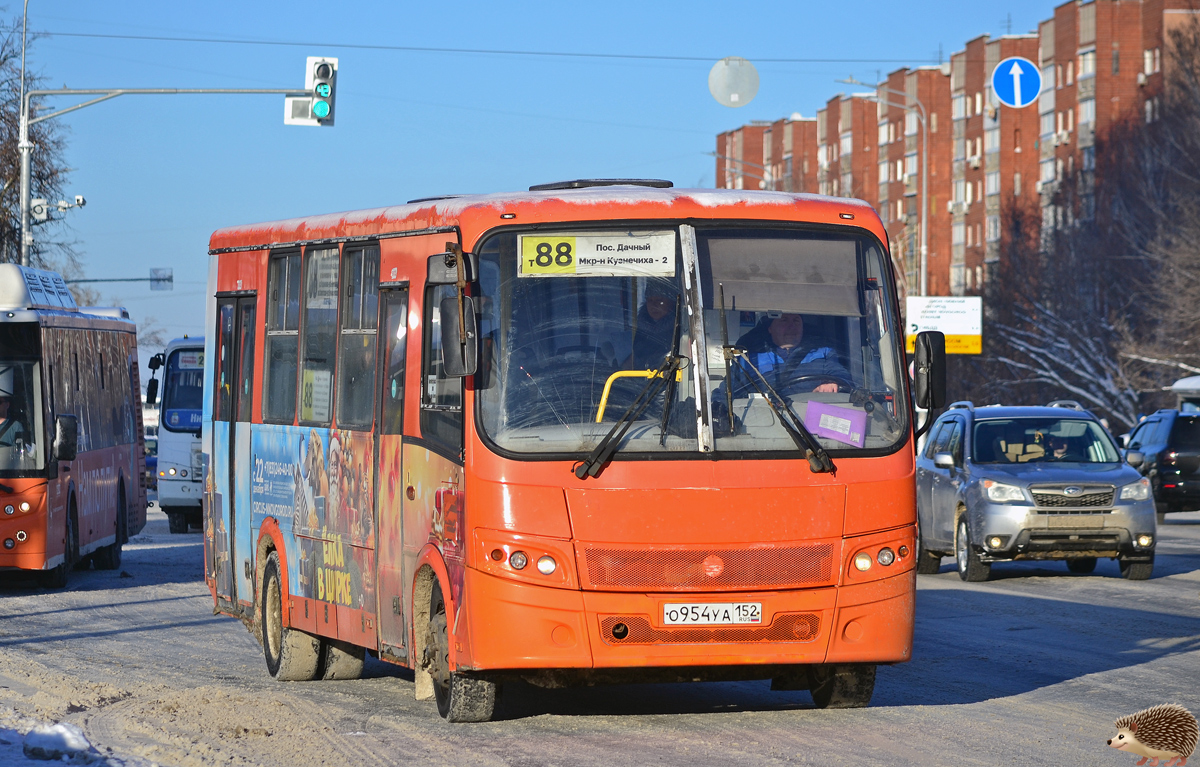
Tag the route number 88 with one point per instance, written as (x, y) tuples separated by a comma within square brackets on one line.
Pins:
[(560, 255)]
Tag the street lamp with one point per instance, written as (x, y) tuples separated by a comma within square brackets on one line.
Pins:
[(920, 110), (23, 146)]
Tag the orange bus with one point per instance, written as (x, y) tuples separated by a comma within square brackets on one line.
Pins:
[(604, 430), (72, 456)]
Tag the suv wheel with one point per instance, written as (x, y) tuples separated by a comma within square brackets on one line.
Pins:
[(970, 569), (1136, 571)]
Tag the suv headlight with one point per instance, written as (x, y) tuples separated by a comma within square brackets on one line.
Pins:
[(1002, 493), (1137, 491)]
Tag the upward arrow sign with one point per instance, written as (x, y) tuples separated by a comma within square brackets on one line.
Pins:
[(1015, 71)]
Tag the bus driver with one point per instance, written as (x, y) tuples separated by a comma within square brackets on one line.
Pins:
[(11, 430)]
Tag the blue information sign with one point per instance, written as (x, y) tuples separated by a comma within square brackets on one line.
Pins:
[(1016, 82)]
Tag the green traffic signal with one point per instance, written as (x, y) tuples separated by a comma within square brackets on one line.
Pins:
[(320, 109)]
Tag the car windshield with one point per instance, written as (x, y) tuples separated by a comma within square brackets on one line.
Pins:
[(1027, 440), (183, 394), (576, 324), (21, 443)]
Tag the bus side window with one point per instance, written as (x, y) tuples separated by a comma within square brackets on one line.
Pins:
[(283, 336), (356, 363), (441, 395), (395, 349), (319, 337)]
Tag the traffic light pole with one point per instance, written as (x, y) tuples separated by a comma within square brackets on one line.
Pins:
[(102, 94)]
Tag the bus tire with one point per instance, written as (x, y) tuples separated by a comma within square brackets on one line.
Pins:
[(842, 686), (56, 577), (109, 557), (460, 697), (176, 519), (342, 660), (292, 656)]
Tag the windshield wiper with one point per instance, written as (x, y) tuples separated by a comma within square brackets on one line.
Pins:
[(818, 460), (594, 463)]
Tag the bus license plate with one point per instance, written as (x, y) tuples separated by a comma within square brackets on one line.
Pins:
[(712, 614)]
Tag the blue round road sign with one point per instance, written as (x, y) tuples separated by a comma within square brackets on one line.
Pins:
[(1016, 82)]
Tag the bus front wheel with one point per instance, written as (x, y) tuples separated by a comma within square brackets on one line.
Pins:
[(177, 519), (460, 698), (56, 578), (109, 557), (292, 656), (842, 686)]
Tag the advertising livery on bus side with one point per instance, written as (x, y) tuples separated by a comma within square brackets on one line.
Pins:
[(597, 431), (72, 460)]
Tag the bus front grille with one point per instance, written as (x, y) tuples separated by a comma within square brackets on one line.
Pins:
[(703, 569), (637, 630)]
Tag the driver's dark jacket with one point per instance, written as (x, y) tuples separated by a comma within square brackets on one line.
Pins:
[(781, 366)]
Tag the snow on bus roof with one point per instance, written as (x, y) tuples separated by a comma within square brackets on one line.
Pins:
[(440, 212)]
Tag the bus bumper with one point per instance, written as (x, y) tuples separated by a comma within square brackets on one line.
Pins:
[(175, 492), (512, 625)]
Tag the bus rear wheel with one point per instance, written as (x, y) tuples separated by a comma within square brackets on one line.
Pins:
[(460, 698), (842, 686), (292, 656), (109, 557)]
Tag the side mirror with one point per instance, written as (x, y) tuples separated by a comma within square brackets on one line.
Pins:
[(66, 437), (1135, 459), (156, 361), (930, 369), (943, 460), (460, 344), (151, 392)]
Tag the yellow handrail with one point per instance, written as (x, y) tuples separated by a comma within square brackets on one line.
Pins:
[(627, 374)]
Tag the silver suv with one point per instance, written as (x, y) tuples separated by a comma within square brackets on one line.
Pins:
[(997, 484)]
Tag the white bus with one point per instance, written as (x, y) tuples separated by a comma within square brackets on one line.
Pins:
[(180, 478)]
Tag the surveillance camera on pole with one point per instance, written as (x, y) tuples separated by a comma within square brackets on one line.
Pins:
[(316, 108)]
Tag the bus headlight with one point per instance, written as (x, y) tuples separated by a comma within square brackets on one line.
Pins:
[(546, 565), (518, 560), (1136, 491), (24, 505), (8, 509), (886, 556), (862, 561), (171, 471)]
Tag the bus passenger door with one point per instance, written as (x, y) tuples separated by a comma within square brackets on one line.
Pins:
[(389, 478), (234, 385)]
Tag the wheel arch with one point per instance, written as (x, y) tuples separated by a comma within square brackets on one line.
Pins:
[(431, 568), (270, 539)]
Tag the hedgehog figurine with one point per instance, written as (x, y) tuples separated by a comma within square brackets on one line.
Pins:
[(1165, 732)]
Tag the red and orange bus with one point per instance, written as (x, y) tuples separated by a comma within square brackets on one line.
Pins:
[(72, 456), (599, 431)]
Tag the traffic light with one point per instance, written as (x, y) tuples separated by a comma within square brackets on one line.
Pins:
[(322, 82)]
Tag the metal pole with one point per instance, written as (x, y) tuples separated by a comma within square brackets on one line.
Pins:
[(24, 147), (104, 95)]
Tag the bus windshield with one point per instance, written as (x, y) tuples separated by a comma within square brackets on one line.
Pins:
[(21, 448), (568, 346), (183, 396)]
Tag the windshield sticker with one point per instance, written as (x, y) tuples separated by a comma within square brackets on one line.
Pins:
[(603, 254), (837, 423)]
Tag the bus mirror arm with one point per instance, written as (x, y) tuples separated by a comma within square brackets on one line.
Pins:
[(66, 437), (460, 341)]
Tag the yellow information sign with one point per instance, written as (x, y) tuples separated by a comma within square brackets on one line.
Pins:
[(597, 254), (960, 318), (548, 255)]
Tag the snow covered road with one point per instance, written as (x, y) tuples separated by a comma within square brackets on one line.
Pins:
[(1032, 667)]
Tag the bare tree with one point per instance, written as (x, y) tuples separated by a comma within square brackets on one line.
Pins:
[(52, 248)]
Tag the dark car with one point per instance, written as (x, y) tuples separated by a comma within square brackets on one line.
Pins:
[(997, 484), (1166, 449)]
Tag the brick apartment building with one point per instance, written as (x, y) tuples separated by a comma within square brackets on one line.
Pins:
[(790, 155), (995, 159), (901, 142), (846, 147), (1102, 61)]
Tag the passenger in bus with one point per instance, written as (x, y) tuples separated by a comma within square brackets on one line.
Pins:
[(776, 348), (655, 326)]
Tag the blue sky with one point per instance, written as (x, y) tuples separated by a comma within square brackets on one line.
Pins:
[(160, 173)]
